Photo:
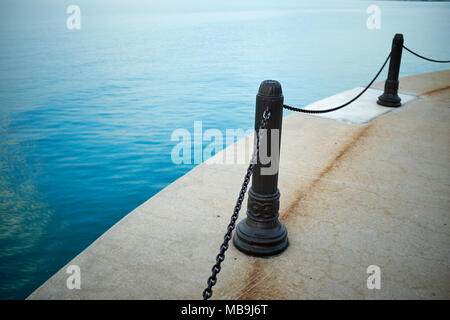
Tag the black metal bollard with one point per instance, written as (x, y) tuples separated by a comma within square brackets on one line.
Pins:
[(390, 96), (261, 233)]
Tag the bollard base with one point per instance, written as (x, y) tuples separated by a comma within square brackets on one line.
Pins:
[(260, 242), (389, 100)]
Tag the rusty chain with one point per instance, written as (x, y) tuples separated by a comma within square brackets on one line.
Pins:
[(207, 293)]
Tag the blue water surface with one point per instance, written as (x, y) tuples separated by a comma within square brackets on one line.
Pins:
[(86, 115)]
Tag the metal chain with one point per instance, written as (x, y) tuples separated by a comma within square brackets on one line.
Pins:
[(425, 58), (207, 293), (345, 104)]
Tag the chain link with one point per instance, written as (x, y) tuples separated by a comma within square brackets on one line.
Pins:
[(207, 293)]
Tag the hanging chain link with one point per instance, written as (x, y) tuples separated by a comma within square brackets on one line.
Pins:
[(345, 104), (425, 58), (207, 293)]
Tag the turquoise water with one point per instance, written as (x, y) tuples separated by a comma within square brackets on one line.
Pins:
[(86, 115)]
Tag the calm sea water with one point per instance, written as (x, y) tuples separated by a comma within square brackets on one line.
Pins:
[(86, 115)]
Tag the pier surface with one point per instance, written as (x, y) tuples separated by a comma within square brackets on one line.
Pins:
[(367, 186)]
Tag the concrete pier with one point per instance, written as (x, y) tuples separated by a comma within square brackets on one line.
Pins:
[(366, 185)]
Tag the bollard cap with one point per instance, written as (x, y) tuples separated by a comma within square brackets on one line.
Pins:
[(398, 38), (270, 88)]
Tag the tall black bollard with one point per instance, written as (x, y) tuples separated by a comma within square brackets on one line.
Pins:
[(390, 96), (261, 233)]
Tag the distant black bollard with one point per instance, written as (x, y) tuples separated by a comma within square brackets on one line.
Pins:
[(390, 96), (261, 233)]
